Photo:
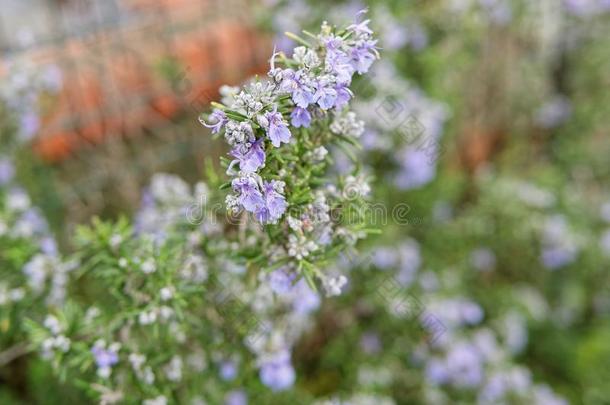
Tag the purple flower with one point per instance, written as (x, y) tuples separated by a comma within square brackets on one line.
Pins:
[(416, 170), (385, 258), (262, 215), (410, 261), (236, 397), (544, 395), (470, 312), (418, 39), (499, 11), (53, 78), (554, 257), (277, 373), (300, 117), (483, 259), (302, 95), (362, 28), (339, 65), (7, 171), (250, 196), (228, 370), (283, 44), (394, 36), (218, 119), (29, 125), (268, 205), (302, 98), (554, 112), (465, 365), (326, 97), (48, 246), (277, 130), (104, 358), (371, 140), (343, 97), (337, 62), (334, 55), (370, 343), (586, 8), (275, 203), (252, 158), (559, 247), (502, 385), (363, 56), (436, 372), (33, 221), (306, 300), (280, 281), (294, 83)]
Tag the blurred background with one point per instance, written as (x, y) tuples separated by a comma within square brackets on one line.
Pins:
[(123, 84), (507, 184)]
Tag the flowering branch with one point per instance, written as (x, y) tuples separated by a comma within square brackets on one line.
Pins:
[(280, 129)]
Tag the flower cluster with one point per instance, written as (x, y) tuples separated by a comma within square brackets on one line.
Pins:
[(184, 308), (33, 276), (560, 246), (169, 203), (467, 350), (105, 357), (56, 341), (302, 94)]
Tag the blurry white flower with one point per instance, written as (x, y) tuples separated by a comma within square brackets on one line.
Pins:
[(334, 285), (160, 400), (166, 293), (52, 323), (148, 266), (147, 318), (173, 370), (115, 241)]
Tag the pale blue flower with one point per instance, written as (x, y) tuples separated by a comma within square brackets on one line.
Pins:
[(277, 129), (7, 171), (370, 343), (277, 372), (306, 300), (252, 158), (416, 169), (228, 370), (303, 94), (218, 119), (236, 397), (363, 56), (275, 203), (325, 96), (249, 195), (281, 281), (554, 112), (483, 259), (555, 257), (385, 258), (104, 357), (300, 117), (344, 95), (29, 125)]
